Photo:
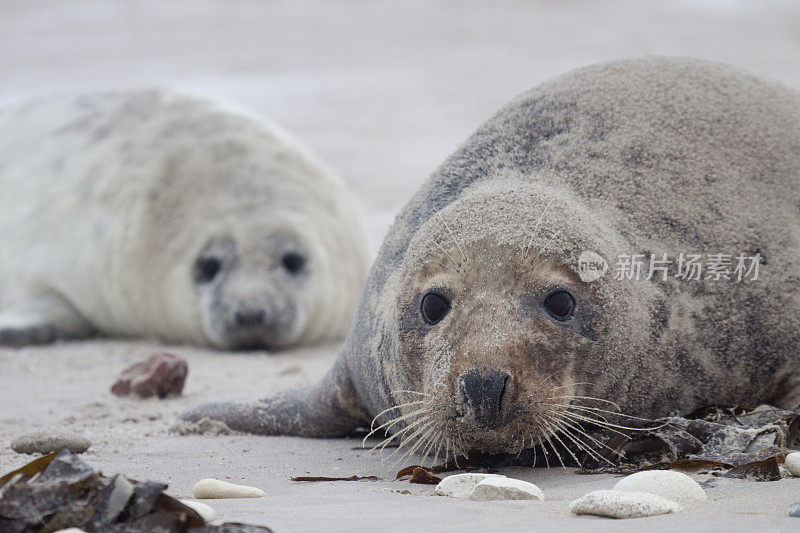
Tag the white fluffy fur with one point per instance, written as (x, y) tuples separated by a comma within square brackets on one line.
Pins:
[(107, 198)]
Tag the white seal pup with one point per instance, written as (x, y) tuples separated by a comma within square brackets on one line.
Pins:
[(477, 332), (156, 213)]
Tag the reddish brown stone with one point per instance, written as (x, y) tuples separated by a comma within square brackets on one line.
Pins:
[(161, 375)]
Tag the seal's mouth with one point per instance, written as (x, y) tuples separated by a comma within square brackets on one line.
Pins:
[(249, 337), (254, 328), (489, 411)]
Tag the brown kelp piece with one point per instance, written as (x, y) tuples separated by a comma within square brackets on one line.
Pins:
[(747, 443), (421, 474), (60, 491), (324, 478)]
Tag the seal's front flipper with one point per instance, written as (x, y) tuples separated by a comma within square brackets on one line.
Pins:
[(331, 408), (41, 321)]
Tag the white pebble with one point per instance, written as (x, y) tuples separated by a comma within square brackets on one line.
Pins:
[(71, 530), (461, 485), (618, 504), (206, 512), (792, 463), (505, 488), (675, 486), (214, 488)]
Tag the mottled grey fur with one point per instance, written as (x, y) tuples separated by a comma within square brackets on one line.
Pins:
[(653, 155)]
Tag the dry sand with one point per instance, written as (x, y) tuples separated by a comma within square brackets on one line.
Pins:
[(66, 386), (383, 92)]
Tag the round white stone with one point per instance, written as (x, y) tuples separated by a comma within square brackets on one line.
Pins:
[(792, 463), (206, 512), (214, 488), (505, 488), (618, 504), (461, 485), (675, 486)]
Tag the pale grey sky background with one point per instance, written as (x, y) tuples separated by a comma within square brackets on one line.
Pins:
[(383, 91)]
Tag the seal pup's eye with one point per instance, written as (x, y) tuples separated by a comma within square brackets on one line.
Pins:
[(206, 269), (434, 307), (293, 262), (560, 304)]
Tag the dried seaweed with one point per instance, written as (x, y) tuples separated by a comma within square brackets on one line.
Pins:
[(323, 478), (60, 491), (766, 470), (421, 474), (732, 442), (423, 477)]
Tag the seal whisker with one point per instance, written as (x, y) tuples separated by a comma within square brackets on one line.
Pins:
[(393, 436), (544, 452), (533, 446), (386, 426), (598, 412), (535, 229), (442, 434), (400, 406), (457, 447), (442, 440), (408, 391), (544, 380), (446, 253), (419, 442), (567, 385), (582, 420), (455, 239), (549, 430), (557, 426), (602, 423), (432, 439), (571, 397), (521, 446), (576, 427), (538, 422), (411, 438), (583, 446), (579, 442)]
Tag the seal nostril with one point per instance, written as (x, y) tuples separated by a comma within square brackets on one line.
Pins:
[(250, 318), (483, 392)]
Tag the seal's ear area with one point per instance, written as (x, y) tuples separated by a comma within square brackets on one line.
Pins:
[(327, 409)]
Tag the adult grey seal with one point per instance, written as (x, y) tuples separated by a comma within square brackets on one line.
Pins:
[(156, 213), (477, 332)]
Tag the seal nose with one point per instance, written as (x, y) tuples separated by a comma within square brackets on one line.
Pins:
[(483, 393), (249, 318)]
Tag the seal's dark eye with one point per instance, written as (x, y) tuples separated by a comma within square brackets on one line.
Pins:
[(293, 262), (560, 304), (434, 307), (206, 269)]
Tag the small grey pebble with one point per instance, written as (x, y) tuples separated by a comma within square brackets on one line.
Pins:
[(794, 510), (44, 442)]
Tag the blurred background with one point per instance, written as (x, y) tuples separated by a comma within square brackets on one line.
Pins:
[(383, 91)]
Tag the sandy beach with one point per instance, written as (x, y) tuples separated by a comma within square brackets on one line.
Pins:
[(382, 92)]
